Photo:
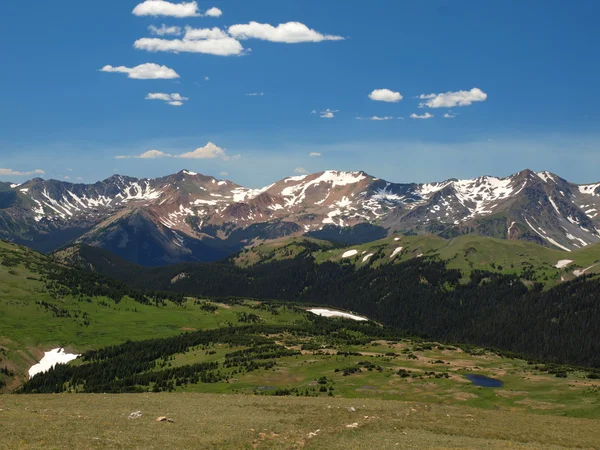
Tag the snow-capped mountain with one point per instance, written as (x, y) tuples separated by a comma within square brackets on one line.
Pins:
[(192, 217)]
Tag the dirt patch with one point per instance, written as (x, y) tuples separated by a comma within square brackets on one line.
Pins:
[(509, 394), (535, 404), (464, 396)]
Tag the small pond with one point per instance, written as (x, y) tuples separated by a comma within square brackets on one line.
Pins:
[(483, 381)]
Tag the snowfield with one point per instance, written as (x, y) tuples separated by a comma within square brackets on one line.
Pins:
[(350, 253), (396, 251), (50, 359), (332, 313), (563, 263)]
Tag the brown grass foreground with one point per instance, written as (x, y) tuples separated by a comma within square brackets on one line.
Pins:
[(203, 421)]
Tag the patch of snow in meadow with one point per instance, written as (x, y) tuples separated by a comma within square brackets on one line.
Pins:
[(50, 359), (332, 313), (563, 263), (395, 252)]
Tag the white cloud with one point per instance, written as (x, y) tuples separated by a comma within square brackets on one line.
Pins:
[(314, 111), (224, 174), (14, 173), (172, 99), (452, 99), (376, 118), (66, 178), (209, 151), (385, 95), (194, 34), (328, 114), (300, 170), (220, 47), (79, 178), (423, 116), (314, 154), (449, 115), (255, 94), (207, 78), (154, 154), (164, 8), (213, 12), (289, 33), (148, 71), (165, 30)]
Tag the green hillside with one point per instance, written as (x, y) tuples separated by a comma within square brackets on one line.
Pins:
[(40, 313), (467, 253), (242, 422)]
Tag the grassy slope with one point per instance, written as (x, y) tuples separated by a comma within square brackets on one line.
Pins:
[(526, 387), (466, 253), (27, 329), (214, 422)]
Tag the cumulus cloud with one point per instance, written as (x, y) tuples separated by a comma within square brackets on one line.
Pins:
[(213, 12), (209, 151), (164, 8), (422, 116), (452, 99), (194, 34), (449, 115), (148, 71), (314, 154), (377, 118), (385, 95), (288, 33), (220, 47), (154, 154), (300, 170), (150, 154), (172, 99), (15, 173), (328, 114), (255, 94), (165, 30)]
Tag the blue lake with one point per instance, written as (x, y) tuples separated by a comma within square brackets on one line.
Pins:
[(483, 381)]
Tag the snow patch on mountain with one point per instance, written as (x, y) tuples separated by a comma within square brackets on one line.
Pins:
[(546, 177), (589, 189), (548, 238)]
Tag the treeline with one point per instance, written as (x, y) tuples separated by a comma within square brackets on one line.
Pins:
[(61, 281), (140, 366), (421, 296)]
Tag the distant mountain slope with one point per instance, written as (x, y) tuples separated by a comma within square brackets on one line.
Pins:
[(192, 217)]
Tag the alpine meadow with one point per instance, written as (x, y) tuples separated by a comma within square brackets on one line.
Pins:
[(260, 225)]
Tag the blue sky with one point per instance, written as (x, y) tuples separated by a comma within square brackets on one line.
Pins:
[(534, 65)]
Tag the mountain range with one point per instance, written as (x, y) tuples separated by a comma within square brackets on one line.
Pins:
[(188, 217)]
